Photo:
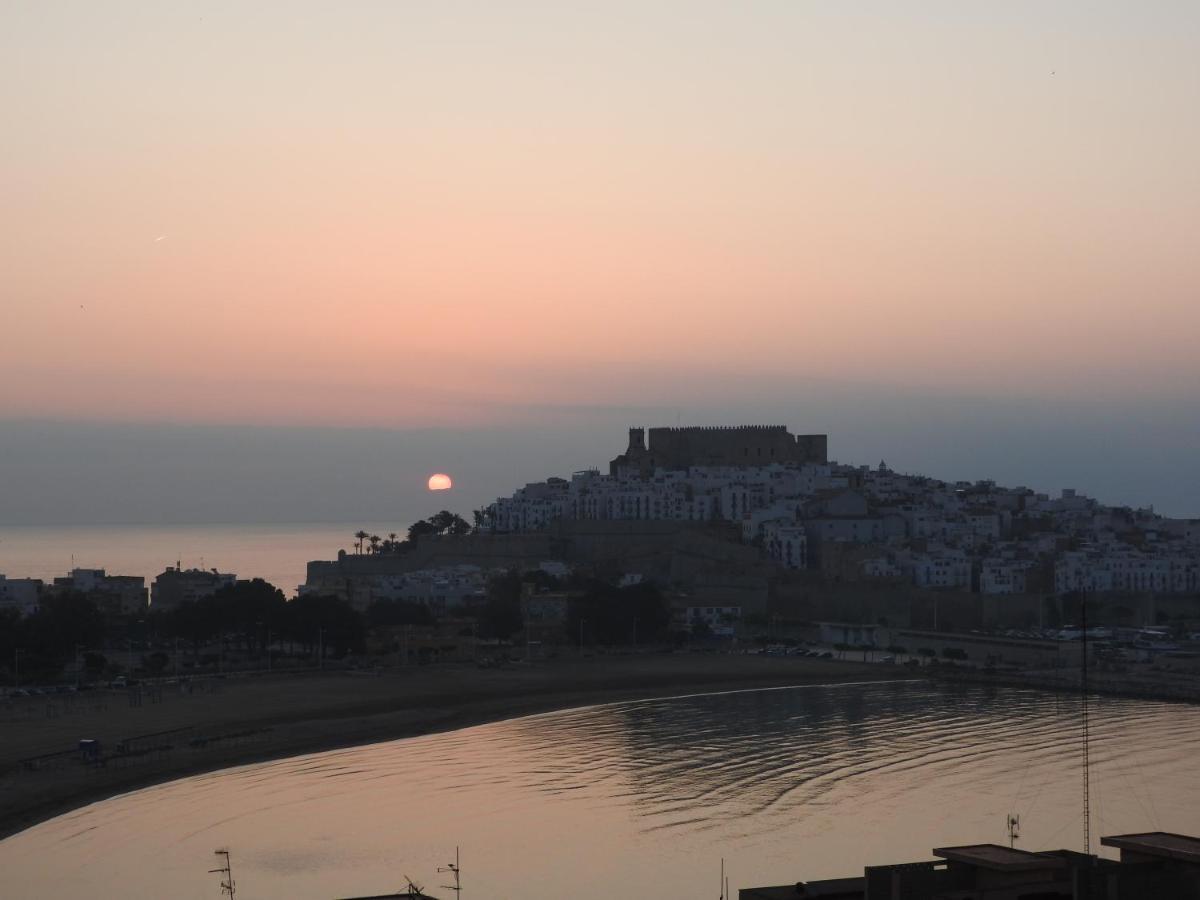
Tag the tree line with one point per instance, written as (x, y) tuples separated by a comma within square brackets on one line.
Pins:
[(249, 616), (444, 522)]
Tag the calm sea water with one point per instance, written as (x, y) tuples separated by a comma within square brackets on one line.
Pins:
[(277, 553), (637, 799)]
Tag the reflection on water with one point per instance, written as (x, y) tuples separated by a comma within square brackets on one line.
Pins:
[(784, 784)]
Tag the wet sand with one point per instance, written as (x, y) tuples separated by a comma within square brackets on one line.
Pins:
[(293, 714)]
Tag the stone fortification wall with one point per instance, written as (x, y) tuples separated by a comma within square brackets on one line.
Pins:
[(488, 551), (747, 445), (665, 550), (741, 445)]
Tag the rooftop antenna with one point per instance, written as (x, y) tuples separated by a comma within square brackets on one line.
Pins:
[(1014, 829), (456, 870), (414, 889), (1083, 686), (228, 888)]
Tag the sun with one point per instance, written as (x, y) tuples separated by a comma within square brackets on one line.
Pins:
[(440, 482)]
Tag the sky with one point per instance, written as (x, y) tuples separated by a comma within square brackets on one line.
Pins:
[(293, 236)]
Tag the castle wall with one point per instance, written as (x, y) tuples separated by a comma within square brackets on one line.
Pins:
[(742, 445)]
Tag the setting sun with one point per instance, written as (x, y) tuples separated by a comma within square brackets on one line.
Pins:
[(440, 482)]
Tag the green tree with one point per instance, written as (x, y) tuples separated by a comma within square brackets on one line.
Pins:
[(388, 613), (501, 614), (420, 529), (613, 613), (701, 630), (315, 619)]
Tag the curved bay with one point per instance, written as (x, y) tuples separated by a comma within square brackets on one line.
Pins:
[(784, 784)]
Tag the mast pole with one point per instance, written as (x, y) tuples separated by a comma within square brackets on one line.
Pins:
[(1087, 809)]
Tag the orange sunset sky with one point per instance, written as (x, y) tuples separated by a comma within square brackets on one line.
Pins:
[(408, 214)]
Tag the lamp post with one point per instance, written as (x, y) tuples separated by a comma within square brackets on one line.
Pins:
[(267, 625)]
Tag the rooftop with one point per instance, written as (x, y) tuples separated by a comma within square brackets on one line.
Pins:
[(999, 857), (1157, 843), (831, 889)]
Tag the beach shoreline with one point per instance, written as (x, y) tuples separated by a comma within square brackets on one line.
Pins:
[(295, 715)]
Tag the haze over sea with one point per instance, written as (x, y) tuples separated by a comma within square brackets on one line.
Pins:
[(277, 553)]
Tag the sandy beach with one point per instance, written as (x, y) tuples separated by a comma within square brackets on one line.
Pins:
[(290, 714)]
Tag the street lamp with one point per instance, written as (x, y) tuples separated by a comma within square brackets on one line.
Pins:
[(268, 627)]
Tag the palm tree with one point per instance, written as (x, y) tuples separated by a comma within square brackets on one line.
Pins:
[(362, 536), (375, 539)]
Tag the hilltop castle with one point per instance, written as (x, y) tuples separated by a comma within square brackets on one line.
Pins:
[(741, 445)]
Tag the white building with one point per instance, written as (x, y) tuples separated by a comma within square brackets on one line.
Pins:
[(786, 543), (176, 586), (21, 594), (115, 593), (1002, 577)]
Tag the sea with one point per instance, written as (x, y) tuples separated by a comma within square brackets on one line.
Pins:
[(641, 799), (276, 553)]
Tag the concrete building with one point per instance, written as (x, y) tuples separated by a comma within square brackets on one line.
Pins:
[(1000, 577), (176, 586), (786, 543), (1152, 866), (20, 594), (443, 590), (120, 594), (721, 620)]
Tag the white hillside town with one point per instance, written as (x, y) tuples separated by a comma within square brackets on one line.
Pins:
[(968, 536)]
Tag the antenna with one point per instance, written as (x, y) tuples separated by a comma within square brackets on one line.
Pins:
[(414, 889), (227, 885), (1014, 829), (722, 878), (1083, 686), (457, 871)]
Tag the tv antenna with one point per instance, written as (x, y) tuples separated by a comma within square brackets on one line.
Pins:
[(228, 888), (1014, 829), (413, 889), (1083, 696), (455, 870)]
